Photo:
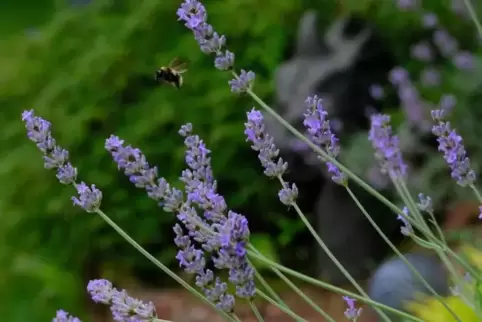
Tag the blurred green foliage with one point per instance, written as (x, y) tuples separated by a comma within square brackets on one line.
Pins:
[(89, 69)]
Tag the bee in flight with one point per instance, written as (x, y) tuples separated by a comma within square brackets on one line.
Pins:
[(172, 73)]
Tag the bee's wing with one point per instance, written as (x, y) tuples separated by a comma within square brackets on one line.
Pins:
[(179, 65)]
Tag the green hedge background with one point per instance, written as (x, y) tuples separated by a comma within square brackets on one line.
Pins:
[(88, 69)]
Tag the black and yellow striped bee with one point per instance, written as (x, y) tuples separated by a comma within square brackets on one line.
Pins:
[(172, 73)]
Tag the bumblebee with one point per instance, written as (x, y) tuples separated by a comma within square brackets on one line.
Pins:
[(172, 73)]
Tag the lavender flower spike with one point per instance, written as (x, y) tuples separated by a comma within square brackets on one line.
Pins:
[(406, 228), (351, 313), (194, 15), (122, 306), (451, 144), (231, 232), (55, 157), (63, 316), (268, 153), (136, 167), (386, 145), (318, 127)]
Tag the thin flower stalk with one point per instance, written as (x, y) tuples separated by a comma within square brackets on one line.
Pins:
[(274, 167), (135, 165), (89, 198)]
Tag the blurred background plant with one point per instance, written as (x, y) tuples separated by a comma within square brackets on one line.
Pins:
[(88, 68)]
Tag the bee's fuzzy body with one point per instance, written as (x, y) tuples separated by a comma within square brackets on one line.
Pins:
[(168, 75)]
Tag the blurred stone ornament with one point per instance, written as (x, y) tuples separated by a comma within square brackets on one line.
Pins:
[(394, 283), (341, 66)]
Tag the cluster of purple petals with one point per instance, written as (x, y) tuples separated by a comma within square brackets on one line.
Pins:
[(268, 154), (425, 51), (406, 228), (191, 257), (229, 235), (452, 146), (194, 15), (123, 307), (319, 129), (55, 157), (219, 235), (351, 313), (63, 316), (142, 175), (387, 146), (413, 105)]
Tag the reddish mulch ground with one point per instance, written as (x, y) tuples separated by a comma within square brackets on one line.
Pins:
[(181, 306)]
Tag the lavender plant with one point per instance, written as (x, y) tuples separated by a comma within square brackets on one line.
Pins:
[(208, 232)]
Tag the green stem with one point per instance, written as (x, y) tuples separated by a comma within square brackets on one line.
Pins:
[(320, 151), (332, 288), (164, 268), (328, 252), (473, 15), (476, 192), (437, 227), (464, 264), (265, 284), (296, 289), (256, 311), (282, 308), (395, 249)]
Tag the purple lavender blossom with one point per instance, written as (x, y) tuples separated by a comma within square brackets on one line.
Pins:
[(406, 228), (351, 313), (89, 197), (430, 77), (422, 52), (425, 203), (263, 143), (243, 83), (231, 233), (191, 258), (408, 5), (398, 76), (386, 145), (376, 91), (288, 195), (480, 212), (122, 306), (447, 44), (464, 60), (136, 167), (63, 316), (318, 127), (429, 20), (194, 15), (222, 237), (451, 144), (55, 157), (447, 102)]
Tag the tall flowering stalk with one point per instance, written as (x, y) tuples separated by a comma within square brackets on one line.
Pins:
[(122, 306), (222, 234), (452, 146), (387, 146), (56, 157), (318, 127)]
